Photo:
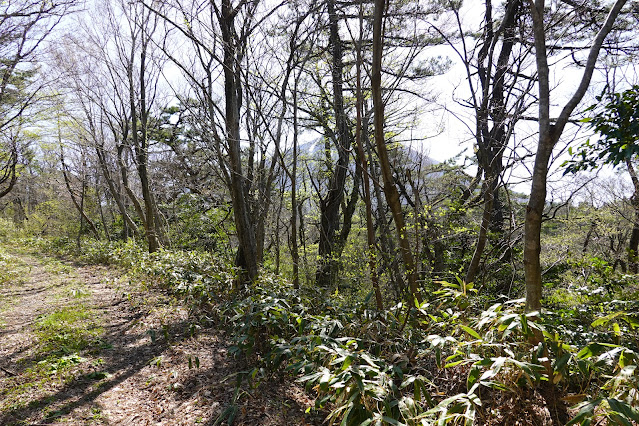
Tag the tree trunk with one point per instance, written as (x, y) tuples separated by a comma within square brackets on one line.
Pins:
[(483, 234), (19, 215), (115, 193), (491, 141), (330, 205), (548, 137), (295, 254), (532, 228), (9, 173), (390, 190), (388, 250), (124, 176), (141, 145), (247, 250), (370, 230), (79, 206), (633, 244), (100, 209)]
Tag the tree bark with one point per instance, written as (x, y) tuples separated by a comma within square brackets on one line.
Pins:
[(247, 250), (491, 141), (370, 230), (633, 244), (330, 205), (9, 173), (295, 254), (549, 135), (390, 190), (140, 139)]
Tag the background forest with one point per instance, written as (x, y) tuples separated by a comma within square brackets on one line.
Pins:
[(269, 162)]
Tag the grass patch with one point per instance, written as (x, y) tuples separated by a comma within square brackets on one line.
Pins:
[(12, 269), (13, 273), (63, 338), (53, 365), (67, 330), (56, 267)]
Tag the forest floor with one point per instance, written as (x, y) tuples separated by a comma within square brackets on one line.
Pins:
[(81, 344)]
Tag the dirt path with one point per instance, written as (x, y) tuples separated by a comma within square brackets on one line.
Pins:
[(78, 345)]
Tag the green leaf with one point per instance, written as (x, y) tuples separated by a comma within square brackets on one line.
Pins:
[(622, 408), (471, 332), (561, 362), (627, 358), (616, 329), (594, 349), (606, 319), (585, 413), (473, 376)]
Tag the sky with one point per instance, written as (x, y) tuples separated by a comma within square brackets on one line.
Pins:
[(452, 132), (447, 130)]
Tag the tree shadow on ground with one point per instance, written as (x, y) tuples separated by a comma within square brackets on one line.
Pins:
[(118, 364)]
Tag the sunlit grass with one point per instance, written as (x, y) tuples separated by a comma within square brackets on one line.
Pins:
[(65, 339), (67, 330)]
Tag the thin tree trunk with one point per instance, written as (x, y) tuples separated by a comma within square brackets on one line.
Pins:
[(140, 143), (115, 193), (633, 244), (387, 245), (101, 210), (124, 176), (370, 230), (79, 206), (390, 190), (295, 254), (483, 235), (247, 250), (79, 240), (549, 135)]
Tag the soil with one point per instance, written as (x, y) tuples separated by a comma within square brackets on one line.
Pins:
[(150, 364)]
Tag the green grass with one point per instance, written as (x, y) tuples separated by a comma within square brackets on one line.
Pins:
[(67, 330), (12, 269), (55, 266), (63, 338), (13, 273)]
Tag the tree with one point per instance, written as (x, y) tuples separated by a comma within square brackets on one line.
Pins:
[(549, 135), (390, 190), (219, 35), (114, 77), (332, 108), (333, 211), (9, 160), (23, 28), (499, 91), (616, 120)]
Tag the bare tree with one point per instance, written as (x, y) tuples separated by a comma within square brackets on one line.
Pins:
[(499, 91), (219, 34), (549, 135), (24, 26), (390, 190)]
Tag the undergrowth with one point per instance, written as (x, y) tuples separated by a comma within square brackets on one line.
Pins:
[(450, 359), (67, 330)]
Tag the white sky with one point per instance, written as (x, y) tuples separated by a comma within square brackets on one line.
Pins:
[(456, 135)]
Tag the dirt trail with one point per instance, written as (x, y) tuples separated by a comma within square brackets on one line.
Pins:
[(130, 363)]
